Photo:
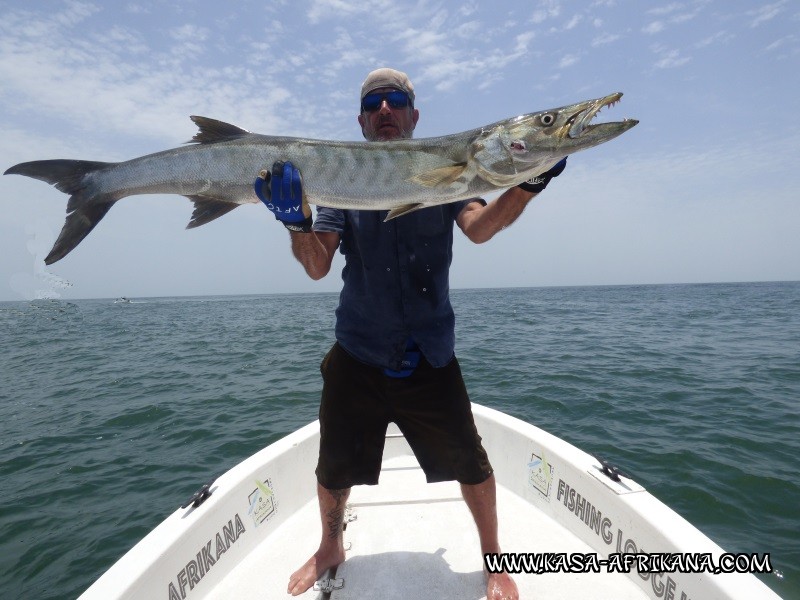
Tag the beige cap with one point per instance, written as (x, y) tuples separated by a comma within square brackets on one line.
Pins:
[(387, 77)]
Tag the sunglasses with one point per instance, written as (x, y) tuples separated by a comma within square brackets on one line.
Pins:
[(395, 98)]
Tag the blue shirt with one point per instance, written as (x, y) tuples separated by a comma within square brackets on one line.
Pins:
[(396, 282)]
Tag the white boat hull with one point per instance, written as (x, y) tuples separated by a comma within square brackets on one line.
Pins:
[(416, 540)]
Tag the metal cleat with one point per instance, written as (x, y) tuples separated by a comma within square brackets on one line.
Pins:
[(326, 586)]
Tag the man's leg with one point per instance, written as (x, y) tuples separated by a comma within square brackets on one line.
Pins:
[(331, 546), (482, 502), (353, 423)]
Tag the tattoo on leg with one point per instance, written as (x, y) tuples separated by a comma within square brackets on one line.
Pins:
[(335, 516)]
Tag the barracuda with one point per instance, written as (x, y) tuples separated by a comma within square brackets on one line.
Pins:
[(217, 169)]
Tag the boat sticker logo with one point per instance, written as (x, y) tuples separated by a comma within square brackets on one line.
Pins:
[(540, 474), (262, 502)]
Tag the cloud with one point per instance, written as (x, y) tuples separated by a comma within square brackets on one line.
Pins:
[(568, 26), (676, 17), (324, 9), (523, 41), (766, 13), (719, 37), (684, 17), (665, 10), (669, 58), (185, 33), (568, 60), (789, 40), (467, 10), (604, 39), (432, 42), (137, 9), (74, 13), (653, 28), (468, 31), (672, 60), (87, 74), (189, 41), (547, 9), (145, 83)]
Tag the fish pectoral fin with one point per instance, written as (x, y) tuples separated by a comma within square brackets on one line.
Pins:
[(402, 210), (441, 176), (212, 131), (207, 209)]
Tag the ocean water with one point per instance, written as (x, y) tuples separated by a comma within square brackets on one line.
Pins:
[(111, 415)]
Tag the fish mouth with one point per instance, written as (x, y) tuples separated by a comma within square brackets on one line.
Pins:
[(580, 121)]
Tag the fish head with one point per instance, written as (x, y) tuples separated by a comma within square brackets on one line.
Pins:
[(525, 146)]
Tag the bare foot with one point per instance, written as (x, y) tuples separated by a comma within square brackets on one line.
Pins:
[(500, 586), (315, 567)]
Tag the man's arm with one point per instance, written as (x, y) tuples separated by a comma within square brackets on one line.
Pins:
[(480, 222), (315, 251)]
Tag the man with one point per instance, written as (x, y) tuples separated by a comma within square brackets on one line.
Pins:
[(394, 355)]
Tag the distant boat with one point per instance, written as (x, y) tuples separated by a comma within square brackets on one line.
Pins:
[(242, 535), (122, 300)]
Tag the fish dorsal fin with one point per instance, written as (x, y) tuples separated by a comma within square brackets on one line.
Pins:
[(213, 131), (441, 176)]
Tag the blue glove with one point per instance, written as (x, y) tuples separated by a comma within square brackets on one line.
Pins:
[(281, 191), (538, 183)]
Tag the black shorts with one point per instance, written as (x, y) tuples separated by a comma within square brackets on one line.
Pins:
[(431, 407)]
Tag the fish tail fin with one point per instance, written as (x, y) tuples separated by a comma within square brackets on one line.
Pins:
[(86, 206)]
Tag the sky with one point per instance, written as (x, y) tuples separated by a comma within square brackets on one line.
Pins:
[(704, 189)]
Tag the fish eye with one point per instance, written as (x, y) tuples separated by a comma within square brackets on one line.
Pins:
[(547, 119)]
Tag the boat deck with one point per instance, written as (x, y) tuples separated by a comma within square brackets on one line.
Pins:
[(410, 539)]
